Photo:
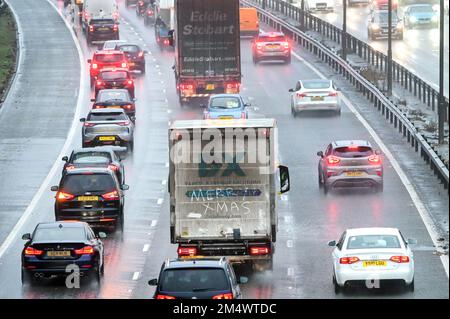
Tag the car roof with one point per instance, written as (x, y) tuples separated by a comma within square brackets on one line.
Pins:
[(372, 231), (107, 110), (195, 262), (67, 224), (345, 143), (94, 170)]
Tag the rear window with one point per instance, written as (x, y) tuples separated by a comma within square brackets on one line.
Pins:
[(91, 158), (271, 39), (225, 103), (81, 183), (113, 75), (373, 241), (59, 234), (129, 48), (115, 57), (353, 152), (104, 96), (422, 9), (314, 85), (110, 116), (195, 279)]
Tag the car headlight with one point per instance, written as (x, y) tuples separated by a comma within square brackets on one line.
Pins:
[(399, 26), (413, 19), (375, 26)]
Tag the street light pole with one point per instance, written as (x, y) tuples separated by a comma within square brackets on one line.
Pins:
[(389, 51), (441, 106), (344, 30), (302, 16)]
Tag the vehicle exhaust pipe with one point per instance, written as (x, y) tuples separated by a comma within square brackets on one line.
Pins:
[(38, 275)]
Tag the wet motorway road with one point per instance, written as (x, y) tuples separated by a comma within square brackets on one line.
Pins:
[(307, 218)]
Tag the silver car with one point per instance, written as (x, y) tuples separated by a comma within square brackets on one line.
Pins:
[(315, 95), (350, 163), (108, 126)]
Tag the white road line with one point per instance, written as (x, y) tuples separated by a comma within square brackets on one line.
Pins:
[(160, 201), (154, 222), (146, 248), (164, 182), (423, 212), (167, 164), (136, 275), (289, 243), (290, 272), (65, 149)]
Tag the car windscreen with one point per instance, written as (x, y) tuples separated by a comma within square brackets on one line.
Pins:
[(91, 158), (129, 48), (109, 116), (373, 241), (225, 103), (82, 183), (383, 17), (352, 151), (193, 279), (114, 57), (271, 39), (59, 234), (422, 9), (113, 75), (101, 21), (107, 95), (316, 85)]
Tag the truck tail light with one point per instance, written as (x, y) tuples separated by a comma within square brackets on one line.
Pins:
[(128, 106), (184, 87), (30, 251), (124, 65), (141, 54), (223, 296), (164, 297), (285, 45), (114, 195), (166, 42), (259, 46), (150, 13), (91, 28), (129, 82), (115, 28), (86, 250), (61, 196), (348, 260), (99, 83), (400, 259), (94, 65), (259, 250), (232, 87), (374, 159), (187, 251), (333, 160)]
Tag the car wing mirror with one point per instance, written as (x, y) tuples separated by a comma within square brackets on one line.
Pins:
[(89, 60), (285, 184), (320, 153), (125, 187), (247, 104), (153, 282), (332, 243), (242, 280), (65, 159), (83, 119), (92, 100), (102, 235), (26, 236), (54, 188), (291, 90)]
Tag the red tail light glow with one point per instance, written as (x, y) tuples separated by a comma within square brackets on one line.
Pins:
[(115, 28), (99, 83), (259, 46), (332, 94), (141, 54), (187, 251), (166, 42), (374, 159), (259, 250), (86, 250), (150, 12), (243, 115), (30, 251), (91, 28), (94, 65), (129, 82), (113, 167), (400, 259), (124, 65), (186, 87), (70, 167), (286, 45), (223, 296), (87, 124), (128, 106), (123, 123), (61, 196), (114, 195), (164, 297), (348, 260), (333, 160), (301, 95)]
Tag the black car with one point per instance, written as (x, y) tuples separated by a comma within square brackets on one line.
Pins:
[(92, 195), (116, 98), (135, 56), (141, 6), (101, 156), (56, 246), (99, 30), (199, 278), (378, 25), (112, 78)]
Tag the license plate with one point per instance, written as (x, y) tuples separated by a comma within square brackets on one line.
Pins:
[(191, 257), (375, 263), (317, 98), (352, 174), (210, 87), (115, 107), (107, 138), (87, 198), (225, 117), (103, 29), (131, 63), (273, 46), (58, 253)]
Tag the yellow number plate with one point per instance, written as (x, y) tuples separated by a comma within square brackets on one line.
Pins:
[(375, 263), (273, 46), (191, 257), (58, 253), (210, 87), (353, 174), (317, 98), (103, 29), (114, 107), (107, 138), (87, 198), (225, 117)]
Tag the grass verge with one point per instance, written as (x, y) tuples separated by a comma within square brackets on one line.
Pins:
[(7, 48)]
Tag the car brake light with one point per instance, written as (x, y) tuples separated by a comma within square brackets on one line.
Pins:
[(87, 124), (353, 147), (114, 195), (99, 83), (300, 95), (124, 65), (400, 259), (232, 85), (223, 296), (94, 65), (259, 250), (86, 250), (187, 251), (91, 28), (374, 159), (115, 28), (123, 123), (259, 46), (243, 116), (164, 297), (348, 260), (70, 167), (286, 45), (333, 160), (166, 41), (113, 167), (141, 54), (64, 196), (332, 94), (150, 12), (129, 82), (186, 87), (30, 251)]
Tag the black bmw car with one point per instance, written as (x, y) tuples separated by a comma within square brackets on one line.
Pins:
[(59, 249)]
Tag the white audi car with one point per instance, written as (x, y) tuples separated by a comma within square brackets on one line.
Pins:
[(371, 256)]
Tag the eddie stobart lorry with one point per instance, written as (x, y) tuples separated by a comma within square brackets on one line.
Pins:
[(207, 48), (225, 204)]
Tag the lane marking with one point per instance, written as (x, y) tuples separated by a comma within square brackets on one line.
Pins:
[(65, 149), (136, 275), (160, 201), (289, 243), (423, 212), (146, 248), (154, 222), (164, 182)]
